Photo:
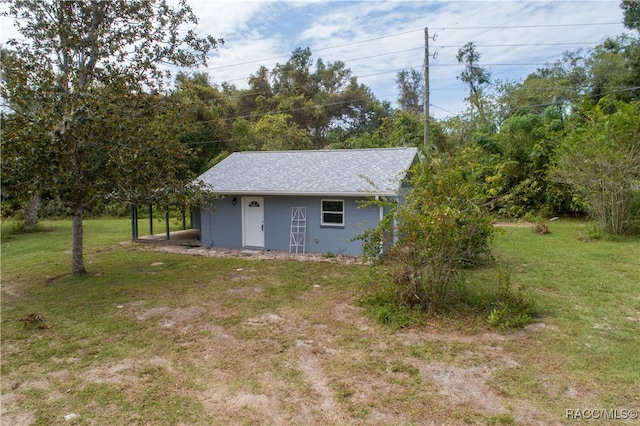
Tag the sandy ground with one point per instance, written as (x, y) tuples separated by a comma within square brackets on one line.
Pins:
[(256, 254)]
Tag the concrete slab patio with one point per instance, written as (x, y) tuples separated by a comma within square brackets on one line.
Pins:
[(187, 237)]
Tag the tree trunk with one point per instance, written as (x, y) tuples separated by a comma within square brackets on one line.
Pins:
[(76, 236), (31, 212)]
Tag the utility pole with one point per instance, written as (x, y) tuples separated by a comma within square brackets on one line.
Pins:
[(426, 91)]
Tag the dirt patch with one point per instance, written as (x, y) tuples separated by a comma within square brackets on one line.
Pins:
[(243, 290), (168, 317), (152, 312), (256, 254), (313, 374), (465, 386), (112, 373), (281, 368), (12, 290), (227, 405), (350, 314), (12, 414), (513, 224), (220, 333), (313, 358)]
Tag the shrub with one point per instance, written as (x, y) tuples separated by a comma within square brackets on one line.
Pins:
[(600, 159), (442, 227), (540, 228)]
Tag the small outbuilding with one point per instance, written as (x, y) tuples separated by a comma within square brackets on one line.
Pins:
[(301, 201)]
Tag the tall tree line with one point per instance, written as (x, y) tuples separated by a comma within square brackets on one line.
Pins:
[(300, 104)]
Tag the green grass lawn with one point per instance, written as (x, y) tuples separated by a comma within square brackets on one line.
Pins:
[(157, 338), (589, 293)]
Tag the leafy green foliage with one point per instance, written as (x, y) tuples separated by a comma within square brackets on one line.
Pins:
[(518, 184), (201, 124), (322, 98), (399, 129), (87, 121), (601, 160), (411, 86), (610, 67), (524, 126), (272, 132), (98, 346), (509, 308), (442, 227), (631, 10), (475, 76)]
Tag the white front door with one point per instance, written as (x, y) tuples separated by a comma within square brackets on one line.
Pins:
[(253, 221)]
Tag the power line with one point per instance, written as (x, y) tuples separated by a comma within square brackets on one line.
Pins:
[(363, 76), (625, 89), (219, 120), (578, 97), (438, 47), (477, 12), (447, 111), (409, 32), (530, 26), (489, 64), (514, 19), (448, 28), (522, 44), (315, 50)]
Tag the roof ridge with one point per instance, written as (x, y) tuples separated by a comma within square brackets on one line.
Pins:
[(328, 150)]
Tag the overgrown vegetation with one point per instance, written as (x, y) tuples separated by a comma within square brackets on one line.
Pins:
[(424, 246), (601, 161)]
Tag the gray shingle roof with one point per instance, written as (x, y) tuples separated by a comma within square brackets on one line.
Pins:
[(321, 172)]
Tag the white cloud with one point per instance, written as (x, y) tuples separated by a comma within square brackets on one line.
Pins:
[(225, 18), (378, 38)]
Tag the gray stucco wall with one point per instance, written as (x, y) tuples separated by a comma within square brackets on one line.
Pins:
[(223, 226)]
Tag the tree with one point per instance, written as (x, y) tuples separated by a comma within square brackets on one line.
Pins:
[(600, 159), (631, 10), (95, 69), (320, 99), (18, 195), (32, 208), (532, 117), (519, 183), (201, 112), (557, 85), (609, 69), (272, 132), (256, 99), (411, 86), (475, 76)]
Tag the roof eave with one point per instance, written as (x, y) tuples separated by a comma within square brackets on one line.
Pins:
[(311, 194)]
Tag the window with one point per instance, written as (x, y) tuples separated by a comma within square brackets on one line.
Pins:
[(332, 213)]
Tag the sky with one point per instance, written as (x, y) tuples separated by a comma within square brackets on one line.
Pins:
[(378, 38)]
